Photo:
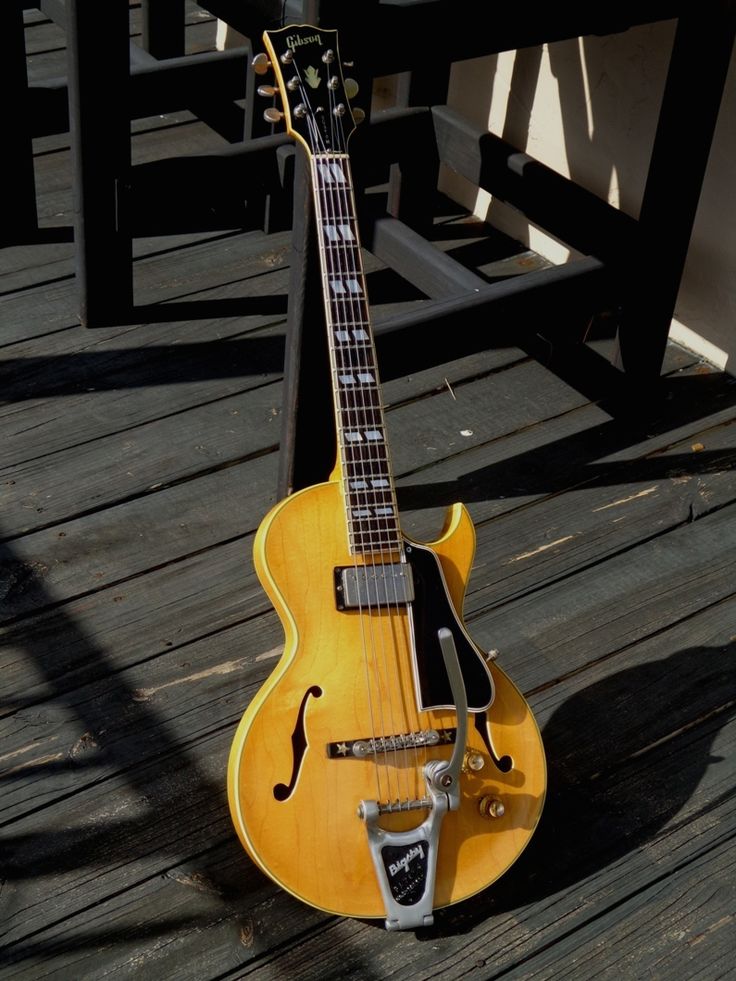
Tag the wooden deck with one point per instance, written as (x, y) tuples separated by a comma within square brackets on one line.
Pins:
[(137, 462)]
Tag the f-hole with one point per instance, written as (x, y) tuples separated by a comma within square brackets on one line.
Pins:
[(283, 791), (502, 763)]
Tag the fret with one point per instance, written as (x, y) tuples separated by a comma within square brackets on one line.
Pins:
[(362, 400), (370, 499), (339, 232), (369, 485), (355, 380), (357, 357), (379, 543)]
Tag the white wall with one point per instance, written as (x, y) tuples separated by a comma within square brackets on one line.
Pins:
[(588, 108)]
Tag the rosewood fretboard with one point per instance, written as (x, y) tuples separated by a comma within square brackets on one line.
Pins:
[(367, 478)]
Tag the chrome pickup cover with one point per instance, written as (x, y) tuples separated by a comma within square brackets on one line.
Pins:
[(358, 587)]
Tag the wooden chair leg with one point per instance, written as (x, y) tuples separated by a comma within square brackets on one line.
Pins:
[(676, 172), (100, 136)]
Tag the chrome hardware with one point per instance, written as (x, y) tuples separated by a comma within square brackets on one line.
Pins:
[(358, 116), (473, 762), (300, 111), (260, 64), (491, 807), (333, 83), (373, 746), (406, 861), (268, 91), (329, 56), (339, 109), (293, 84), (351, 88), (384, 584), (273, 115), (394, 806), (287, 57)]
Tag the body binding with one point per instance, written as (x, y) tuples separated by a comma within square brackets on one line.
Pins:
[(294, 805)]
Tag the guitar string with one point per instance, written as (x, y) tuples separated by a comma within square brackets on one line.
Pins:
[(355, 314), (374, 529), (386, 525), (378, 533), (320, 201), (366, 463)]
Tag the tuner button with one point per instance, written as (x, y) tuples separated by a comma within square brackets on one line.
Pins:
[(267, 90), (358, 116), (351, 88), (273, 115), (260, 64)]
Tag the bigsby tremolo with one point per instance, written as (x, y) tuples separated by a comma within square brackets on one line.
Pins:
[(406, 861)]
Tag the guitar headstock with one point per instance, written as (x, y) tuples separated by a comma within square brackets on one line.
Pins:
[(309, 80)]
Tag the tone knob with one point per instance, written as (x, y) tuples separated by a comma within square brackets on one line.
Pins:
[(351, 88), (268, 91), (491, 807), (260, 64), (273, 115)]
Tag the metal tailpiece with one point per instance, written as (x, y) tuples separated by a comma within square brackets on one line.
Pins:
[(406, 861)]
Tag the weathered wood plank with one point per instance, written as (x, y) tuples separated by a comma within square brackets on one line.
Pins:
[(97, 473), (644, 824), (54, 564), (596, 611)]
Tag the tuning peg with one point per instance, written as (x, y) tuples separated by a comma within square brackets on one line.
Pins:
[(351, 88), (358, 116), (273, 115), (260, 64), (268, 91)]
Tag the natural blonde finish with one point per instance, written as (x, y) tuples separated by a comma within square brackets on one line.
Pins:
[(313, 844)]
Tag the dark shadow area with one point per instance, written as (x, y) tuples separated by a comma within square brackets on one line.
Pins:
[(625, 755), (39, 236), (63, 375), (172, 806), (572, 460)]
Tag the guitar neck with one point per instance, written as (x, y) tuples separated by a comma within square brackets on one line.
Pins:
[(365, 465)]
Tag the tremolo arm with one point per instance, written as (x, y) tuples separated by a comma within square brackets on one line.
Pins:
[(406, 861)]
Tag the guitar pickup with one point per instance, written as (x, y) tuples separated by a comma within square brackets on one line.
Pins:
[(360, 587)]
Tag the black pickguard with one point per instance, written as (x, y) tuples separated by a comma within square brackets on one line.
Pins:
[(432, 610)]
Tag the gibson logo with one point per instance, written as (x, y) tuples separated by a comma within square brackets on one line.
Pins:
[(293, 41), (402, 865)]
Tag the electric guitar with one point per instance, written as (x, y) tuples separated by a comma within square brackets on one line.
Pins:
[(387, 767)]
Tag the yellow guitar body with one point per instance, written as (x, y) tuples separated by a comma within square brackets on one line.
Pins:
[(347, 675)]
